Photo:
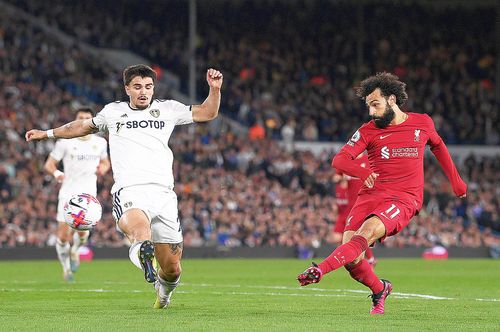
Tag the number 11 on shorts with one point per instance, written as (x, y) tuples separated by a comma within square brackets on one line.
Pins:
[(395, 213)]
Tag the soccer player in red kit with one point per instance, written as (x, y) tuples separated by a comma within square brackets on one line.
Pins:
[(346, 193), (392, 191)]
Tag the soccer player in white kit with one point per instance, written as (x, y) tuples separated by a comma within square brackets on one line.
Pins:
[(144, 203), (83, 158)]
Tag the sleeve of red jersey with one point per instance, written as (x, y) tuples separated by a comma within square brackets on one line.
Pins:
[(344, 160), (442, 154)]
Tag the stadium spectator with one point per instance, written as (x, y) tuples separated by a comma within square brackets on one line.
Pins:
[(279, 69)]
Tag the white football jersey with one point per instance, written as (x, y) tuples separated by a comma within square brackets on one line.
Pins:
[(80, 158), (138, 140)]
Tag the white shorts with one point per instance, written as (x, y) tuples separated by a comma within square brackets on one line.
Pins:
[(159, 203)]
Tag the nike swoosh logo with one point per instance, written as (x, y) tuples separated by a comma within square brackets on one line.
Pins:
[(74, 204), (382, 137)]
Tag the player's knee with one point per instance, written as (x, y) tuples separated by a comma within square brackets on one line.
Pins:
[(337, 238), (171, 271), (367, 233), (138, 233), (63, 237), (135, 225), (372, 229), (177, 272)]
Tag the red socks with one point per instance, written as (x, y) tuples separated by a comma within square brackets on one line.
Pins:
[(344, 254), (363, 273)]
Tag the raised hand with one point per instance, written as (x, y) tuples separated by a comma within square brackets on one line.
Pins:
[(35, 135), (370, 180), (214, 78)]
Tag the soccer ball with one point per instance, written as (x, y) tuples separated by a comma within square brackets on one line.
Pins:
[(82, 212)]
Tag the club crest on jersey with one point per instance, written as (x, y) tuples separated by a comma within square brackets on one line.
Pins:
[(417, 135), (155, 112)]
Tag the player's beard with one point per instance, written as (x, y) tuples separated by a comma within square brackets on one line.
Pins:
[(385, 120), (142, 107)]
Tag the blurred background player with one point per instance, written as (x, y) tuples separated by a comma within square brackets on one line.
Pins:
[(346, 193), (393, 185), (144, 202), (83, 159)]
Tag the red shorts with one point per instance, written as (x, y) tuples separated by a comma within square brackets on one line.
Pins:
[(394, 212)]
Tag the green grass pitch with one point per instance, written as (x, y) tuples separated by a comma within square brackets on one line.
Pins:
[(250, 295)]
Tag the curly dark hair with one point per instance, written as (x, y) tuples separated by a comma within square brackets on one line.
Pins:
[(388, 83)]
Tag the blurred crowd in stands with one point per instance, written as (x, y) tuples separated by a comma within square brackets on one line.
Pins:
[(294, 63), (283, 82)]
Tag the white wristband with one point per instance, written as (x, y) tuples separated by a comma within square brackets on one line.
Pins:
[(57, 173), (50, 133)]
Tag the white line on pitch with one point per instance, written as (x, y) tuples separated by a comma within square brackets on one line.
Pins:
[(395, 295)]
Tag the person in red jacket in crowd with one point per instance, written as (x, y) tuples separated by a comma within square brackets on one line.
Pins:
[(393, 186)]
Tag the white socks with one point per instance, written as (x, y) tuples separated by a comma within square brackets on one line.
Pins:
[(133, 253), (79, 241), (63, 255), (169, 285)]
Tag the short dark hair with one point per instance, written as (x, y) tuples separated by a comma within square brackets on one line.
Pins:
[(389, 84), (84, 109), (138, 70)]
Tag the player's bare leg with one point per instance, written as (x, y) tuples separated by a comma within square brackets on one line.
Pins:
[(80, 239), (169, 274), (135, 224), (63, 249)]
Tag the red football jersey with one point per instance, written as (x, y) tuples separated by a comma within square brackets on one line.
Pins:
[(396, 153)]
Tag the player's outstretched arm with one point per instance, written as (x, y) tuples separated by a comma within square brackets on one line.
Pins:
[(443, 156), (209, 109), (77, 128)]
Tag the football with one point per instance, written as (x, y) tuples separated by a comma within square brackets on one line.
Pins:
[(82, 212)]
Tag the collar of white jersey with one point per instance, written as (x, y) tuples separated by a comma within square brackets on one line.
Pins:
[(138, 109)]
